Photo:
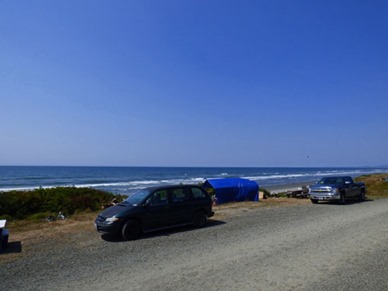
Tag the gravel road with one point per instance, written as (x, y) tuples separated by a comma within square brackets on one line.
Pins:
[(304, 247)]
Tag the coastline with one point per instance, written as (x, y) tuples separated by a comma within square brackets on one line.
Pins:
[(127, 180)]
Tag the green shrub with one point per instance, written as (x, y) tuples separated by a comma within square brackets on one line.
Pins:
[(266, 192), (41, 216), (6, 217), (39, 202)]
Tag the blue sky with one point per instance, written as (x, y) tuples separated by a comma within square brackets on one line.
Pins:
[(194, 83)]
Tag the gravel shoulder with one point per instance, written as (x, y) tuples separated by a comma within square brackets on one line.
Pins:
[(271, 245)]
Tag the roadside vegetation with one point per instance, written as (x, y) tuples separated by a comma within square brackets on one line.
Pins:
[(376, 185), (52, 203)]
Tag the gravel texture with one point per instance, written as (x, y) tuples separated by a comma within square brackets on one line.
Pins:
[(303, 247)]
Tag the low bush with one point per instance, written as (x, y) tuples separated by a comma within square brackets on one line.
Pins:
[(266, 192), (41, 216), (35, 204), (376, 184)]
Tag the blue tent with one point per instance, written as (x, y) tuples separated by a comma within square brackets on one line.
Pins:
[(233, 189)]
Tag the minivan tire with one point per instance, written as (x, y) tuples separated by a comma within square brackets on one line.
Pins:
[(130, 230), (199, 219)]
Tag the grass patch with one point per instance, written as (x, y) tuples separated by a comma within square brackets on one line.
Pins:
[(27, 225), (376, 185)]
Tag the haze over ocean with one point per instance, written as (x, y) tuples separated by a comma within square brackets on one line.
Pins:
[(126, 180)]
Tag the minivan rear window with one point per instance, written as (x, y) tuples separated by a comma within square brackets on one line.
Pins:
[(198, 193), (180, 195)]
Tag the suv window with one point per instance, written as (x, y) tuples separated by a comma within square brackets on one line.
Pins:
[(180, 195), (198, 193), (159, 198)]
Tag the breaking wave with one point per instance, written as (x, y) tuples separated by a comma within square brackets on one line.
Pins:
[(128, 180)]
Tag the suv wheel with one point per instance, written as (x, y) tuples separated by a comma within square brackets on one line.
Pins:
[(315, 201), (342, 198), (130, 230), (362, 195)]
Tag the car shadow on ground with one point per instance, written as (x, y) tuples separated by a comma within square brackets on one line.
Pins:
[(164, 232), (12, 248)]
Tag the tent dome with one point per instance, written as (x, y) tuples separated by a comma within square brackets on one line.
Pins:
[(233, 189)]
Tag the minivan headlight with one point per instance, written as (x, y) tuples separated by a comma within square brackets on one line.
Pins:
[(110, 220)]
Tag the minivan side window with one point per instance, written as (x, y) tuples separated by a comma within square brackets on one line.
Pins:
[(159, 198), (198, 193), (180, 195)]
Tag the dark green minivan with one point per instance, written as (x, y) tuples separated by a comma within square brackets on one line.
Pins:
[(156, 208)]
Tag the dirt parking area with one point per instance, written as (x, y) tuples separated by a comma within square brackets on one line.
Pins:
[(276, 244), (28, 238)]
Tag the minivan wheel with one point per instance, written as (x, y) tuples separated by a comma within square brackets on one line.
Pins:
[(130, 230), (199, 219)]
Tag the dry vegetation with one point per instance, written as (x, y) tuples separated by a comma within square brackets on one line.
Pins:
[(376, 185), (28, 237)]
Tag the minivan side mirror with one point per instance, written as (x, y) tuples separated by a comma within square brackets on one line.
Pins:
[(146, 203)]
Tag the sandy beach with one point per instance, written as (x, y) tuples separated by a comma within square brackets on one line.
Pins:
[(287, 187)]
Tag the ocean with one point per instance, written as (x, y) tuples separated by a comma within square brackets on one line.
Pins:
[(126, 180)]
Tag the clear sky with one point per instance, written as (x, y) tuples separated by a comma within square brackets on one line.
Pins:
[(194, 83)]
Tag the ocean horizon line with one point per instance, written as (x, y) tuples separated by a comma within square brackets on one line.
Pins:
[(210, 167)]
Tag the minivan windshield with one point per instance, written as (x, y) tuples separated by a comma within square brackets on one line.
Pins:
[(137, 197)]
